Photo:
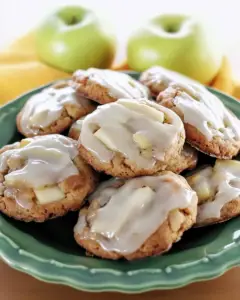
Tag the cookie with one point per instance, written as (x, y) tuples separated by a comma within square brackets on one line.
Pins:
[(105, 86), (210, 127), (116, 223), (52, 111), (186, 160), (43, 177), (218, 190), (157, 79), (131, 138)]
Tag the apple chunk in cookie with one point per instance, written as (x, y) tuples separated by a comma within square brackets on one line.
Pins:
[(116, 224), (218, 190), (157, 79), (53, 110), (43, 177), (105, 86), (130, 138), (210, 126)]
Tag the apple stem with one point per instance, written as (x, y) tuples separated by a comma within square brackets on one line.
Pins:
[(73, 21)]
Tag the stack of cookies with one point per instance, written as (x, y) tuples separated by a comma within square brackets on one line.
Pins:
[(128, 142)]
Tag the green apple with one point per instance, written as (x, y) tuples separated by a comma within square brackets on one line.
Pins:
[(73, 38), (176, 42)]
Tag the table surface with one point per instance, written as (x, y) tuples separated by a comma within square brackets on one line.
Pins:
[(19, 286)]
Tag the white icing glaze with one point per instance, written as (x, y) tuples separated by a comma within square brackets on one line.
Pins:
[(163, 77), (206, 112), (119, 85), (122, 223), (120, 123), (46, 160), (46, 107), (23, 198), (224, 181), (78, 125)]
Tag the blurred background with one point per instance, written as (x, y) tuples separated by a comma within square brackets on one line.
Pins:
[(18, 17), (220, 17)]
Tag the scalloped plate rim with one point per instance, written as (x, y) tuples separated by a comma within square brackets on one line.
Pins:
[(117, 287)]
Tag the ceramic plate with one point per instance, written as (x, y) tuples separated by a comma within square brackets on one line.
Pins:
[(48, 251)]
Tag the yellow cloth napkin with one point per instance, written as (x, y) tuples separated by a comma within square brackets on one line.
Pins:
[(21, 70)]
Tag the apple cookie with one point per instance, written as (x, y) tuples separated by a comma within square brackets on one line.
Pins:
[(53, 110), (186, 160), (105, 86), (131, 138), (43, 177), (157, 79), (167, 200), (210, 126), (218, 190)]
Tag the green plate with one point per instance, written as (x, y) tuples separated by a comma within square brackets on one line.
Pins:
[(48, 251)]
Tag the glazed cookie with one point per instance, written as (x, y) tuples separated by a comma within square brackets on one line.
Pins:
[(131, 138), (105, 86), (52, 111), (116, 223), (186, 160), (43, 177), (210, 126), (157, 79), (218, 190)]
